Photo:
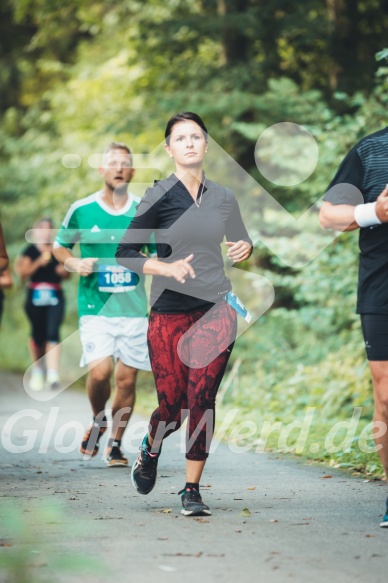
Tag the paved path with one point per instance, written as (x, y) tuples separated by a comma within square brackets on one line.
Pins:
[(302, 526)]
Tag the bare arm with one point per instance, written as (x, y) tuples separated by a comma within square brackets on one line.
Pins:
[(3, 252), (73, 264), (339, 217), (6, 279), (3, 263)]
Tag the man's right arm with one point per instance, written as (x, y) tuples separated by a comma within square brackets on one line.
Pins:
[(341, 217), (68, 235), (343, 195)]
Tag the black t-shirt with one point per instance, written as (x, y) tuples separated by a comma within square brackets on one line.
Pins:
[(366, 168), (46, 273), (183, 227)]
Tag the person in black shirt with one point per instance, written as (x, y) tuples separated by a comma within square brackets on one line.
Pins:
[(45, 304), (357, 198), (192, 327)]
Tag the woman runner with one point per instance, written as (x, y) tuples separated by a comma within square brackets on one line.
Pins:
[(45, 304), (192, 327)]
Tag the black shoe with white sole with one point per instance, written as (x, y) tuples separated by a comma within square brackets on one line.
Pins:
[(114, 456), (145, 469), (192, 503)]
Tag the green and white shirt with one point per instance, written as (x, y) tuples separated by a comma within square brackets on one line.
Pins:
[(111, 290)]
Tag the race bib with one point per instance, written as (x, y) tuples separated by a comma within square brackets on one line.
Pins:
[(44, 297), (116, 279), (238, 306)]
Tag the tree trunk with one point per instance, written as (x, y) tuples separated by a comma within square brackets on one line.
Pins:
[(344, 47), (234, 41)]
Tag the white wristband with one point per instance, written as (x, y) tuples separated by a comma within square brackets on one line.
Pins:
[(365, 215)]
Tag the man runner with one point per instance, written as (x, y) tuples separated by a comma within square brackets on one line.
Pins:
[(112, 303), (366, 168)]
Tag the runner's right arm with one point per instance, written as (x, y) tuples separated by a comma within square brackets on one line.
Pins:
[(340, 217), (68, 235), (129, 253), (344, 201)]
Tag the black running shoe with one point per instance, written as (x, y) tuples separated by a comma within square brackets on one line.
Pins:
[(145, 469), (114, 455), (89, 444), (384, 523), (192, 503)]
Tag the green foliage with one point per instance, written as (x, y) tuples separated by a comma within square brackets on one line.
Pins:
[(28, 548), (382, 55)]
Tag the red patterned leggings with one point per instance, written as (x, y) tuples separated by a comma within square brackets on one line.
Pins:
[(189, 353)]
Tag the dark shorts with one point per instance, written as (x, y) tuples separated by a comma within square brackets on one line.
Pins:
[(375, 331)]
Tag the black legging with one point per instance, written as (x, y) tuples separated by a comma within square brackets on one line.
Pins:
[(45, 320)]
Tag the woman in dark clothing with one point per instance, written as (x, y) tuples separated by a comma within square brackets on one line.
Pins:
[(192, 325), (45, 304)]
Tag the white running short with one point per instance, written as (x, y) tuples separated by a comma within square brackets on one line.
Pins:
[(123, 338)]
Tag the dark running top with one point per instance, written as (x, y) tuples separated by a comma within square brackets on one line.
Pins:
[(366, 167), (46, 273), (181, 228)]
